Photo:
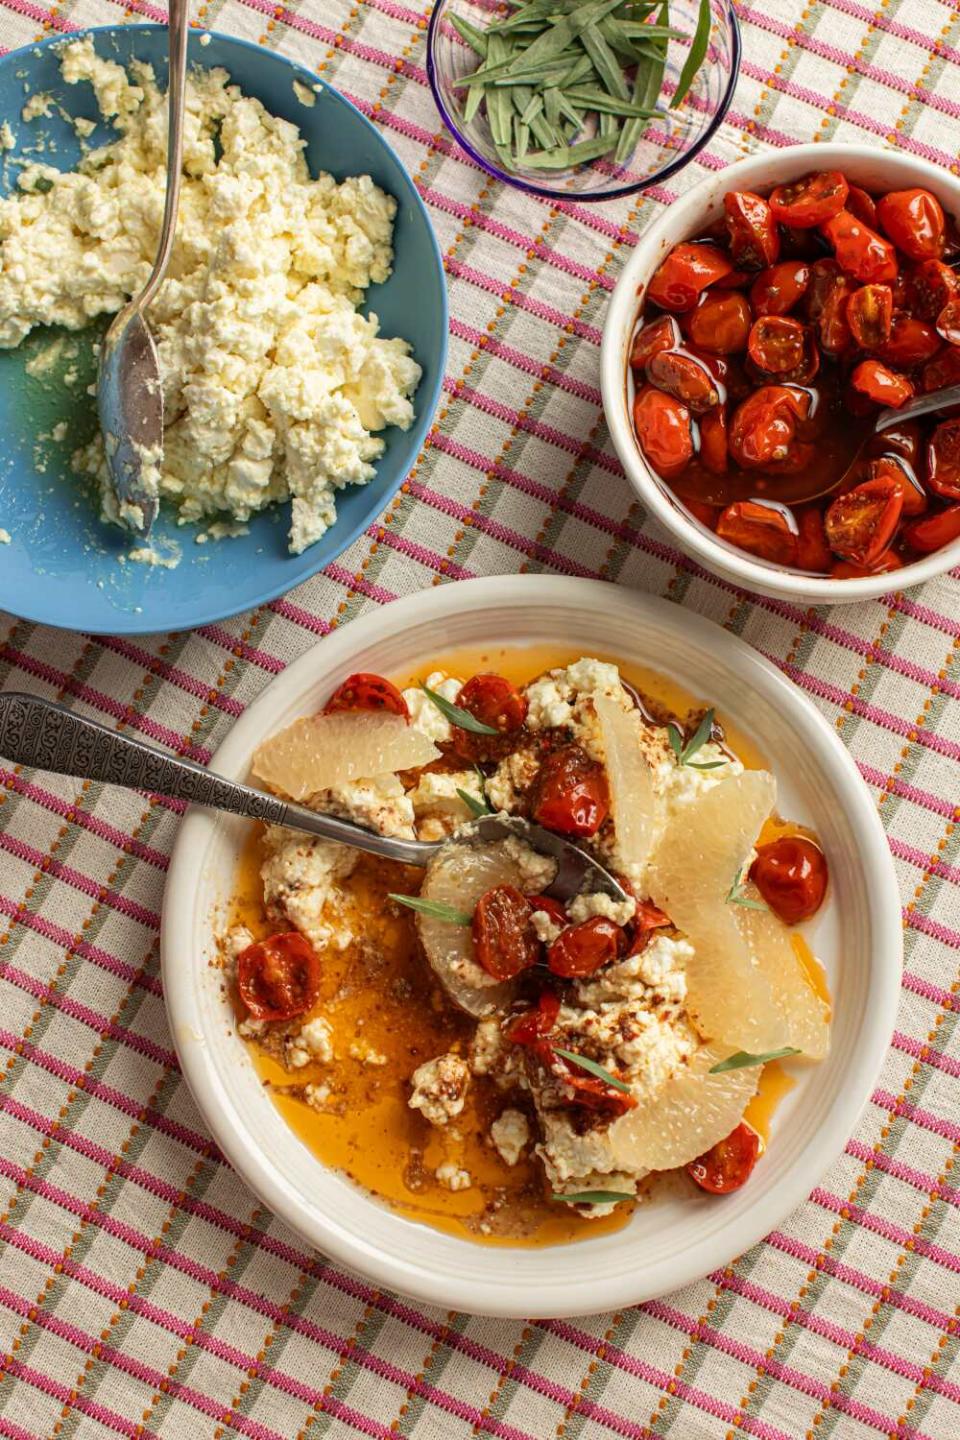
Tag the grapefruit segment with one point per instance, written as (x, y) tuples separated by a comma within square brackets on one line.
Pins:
[(320, 751), (685, 1116), (633, 802), (457, 876), (745, 987)]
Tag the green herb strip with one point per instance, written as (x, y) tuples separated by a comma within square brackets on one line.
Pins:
[(736, 895), (743, 1060), (433, 909), (685, 750), (695, 55), (594, 1197), (577, 80), (474, 804), (592, 1068), (457, 715)]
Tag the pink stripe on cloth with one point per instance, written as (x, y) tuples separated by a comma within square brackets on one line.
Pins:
[(78, 816), (40, 860), (62, 938)]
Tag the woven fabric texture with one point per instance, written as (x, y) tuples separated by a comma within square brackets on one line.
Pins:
[(143, 1290)]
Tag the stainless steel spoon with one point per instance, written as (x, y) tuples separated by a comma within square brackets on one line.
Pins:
[(129, 389), (48, 736)]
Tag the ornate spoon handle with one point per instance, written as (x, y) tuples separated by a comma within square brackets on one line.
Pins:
[(46, 735)]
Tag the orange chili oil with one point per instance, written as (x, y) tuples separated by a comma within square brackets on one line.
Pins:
[(384, 1004)]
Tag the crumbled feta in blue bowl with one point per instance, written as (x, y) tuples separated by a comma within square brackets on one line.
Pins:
[(64, 565)]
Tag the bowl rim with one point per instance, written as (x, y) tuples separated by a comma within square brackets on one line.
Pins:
[(738, 567), (493, 1293), (304, 566), (544, 192)]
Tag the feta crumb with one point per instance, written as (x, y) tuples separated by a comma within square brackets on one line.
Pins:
[(251, 1029), (537, 872), (510, 1134), (452, 1177), (584, 907), (5, 537), (366, 1054), (317, 1096), (304, 94), (59, 431), (38, 106), (424, 715), (545, 927), (205, 39), (486, 1047), (440, 1088), (7, 138), (313, 1042)]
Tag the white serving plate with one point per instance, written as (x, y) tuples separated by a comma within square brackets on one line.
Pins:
[(682, 1234)]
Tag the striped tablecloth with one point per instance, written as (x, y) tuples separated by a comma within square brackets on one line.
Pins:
[(143, 1291)]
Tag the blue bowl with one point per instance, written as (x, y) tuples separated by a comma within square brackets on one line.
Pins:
[(63, 566)]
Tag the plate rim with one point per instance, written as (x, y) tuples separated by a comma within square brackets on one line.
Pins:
[(127, 621), (494, 1297)]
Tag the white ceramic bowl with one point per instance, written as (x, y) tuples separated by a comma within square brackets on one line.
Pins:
[(873, 169), (684, 1234)]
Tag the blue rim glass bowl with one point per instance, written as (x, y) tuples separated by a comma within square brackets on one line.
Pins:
[(666, 145), (62, 565)]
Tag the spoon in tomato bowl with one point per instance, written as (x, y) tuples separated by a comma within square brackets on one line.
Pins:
[(41, 733)]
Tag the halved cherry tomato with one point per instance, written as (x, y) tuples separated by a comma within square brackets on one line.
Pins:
[(849, 570), (934, 531), (736, 280), (942, 370), (278, 977), (914, 221), (791, 875), (367, 692), (728, 1164), (760, 529), (782, 346), (661, 334), (930, 286), (589, 1090), (584, 948), (685, 272), (943, 460), (647, 918), (948, 322), (778, 289), (880, 384), (861, 523), (860, 251), (533, 1025), (754, 237), (720, 323), (552, 907), (899, 470), (863, 205), (570, 793), (495, 701), (911, 341), (764, 425), (813, 552), (504, 940), (713, 446), (808, 202), (870, 315), (663, 427), (685, 378), (826, 304)]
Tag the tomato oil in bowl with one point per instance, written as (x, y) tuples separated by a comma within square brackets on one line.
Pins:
[(811, 399)]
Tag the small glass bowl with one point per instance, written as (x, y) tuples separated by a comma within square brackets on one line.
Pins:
[(664, 147)]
